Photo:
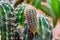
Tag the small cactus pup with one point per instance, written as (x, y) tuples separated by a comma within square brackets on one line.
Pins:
[(18, 33), (31, 21), (6, 20), (31, 18)]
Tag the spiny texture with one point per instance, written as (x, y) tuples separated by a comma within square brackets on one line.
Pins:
[(6, 20), (31, 17), (44, 28), (20, 17)]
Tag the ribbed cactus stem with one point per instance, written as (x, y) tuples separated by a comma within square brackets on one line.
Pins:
[(7, 14)]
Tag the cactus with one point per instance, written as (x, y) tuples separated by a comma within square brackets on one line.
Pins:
[(31, 17), (20, 17), (6, 13), (44, 29), (37, 26)]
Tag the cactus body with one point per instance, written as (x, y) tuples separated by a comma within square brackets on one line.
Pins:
[(6, 21), (44, 29), (20, 17)]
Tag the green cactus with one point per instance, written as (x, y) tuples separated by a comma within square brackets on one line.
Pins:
[(20, 17), (44, 29), (6, 13), (41, 23)]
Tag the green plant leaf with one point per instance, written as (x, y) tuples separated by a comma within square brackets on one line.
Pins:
[(59, 4), (53, 11), (49, 2), (49, 12), (54, 17), (55, 6), (38, 5), (45, 9), (36, 2)]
